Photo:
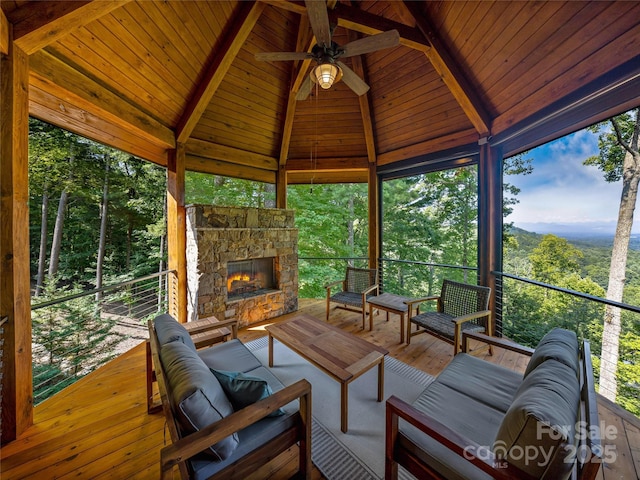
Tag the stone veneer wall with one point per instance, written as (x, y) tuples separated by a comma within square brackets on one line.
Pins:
[(217, 235)]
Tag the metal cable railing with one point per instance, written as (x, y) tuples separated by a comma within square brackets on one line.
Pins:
[(526, 309), (78, 333)]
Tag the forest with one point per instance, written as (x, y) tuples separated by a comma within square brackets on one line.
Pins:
[(97, 218)]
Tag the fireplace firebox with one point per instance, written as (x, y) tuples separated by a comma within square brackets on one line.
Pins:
[(248, 278)]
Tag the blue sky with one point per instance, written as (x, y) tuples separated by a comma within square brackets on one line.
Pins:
[(564, 195)]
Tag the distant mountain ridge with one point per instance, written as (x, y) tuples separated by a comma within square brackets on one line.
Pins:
[(580, 234)]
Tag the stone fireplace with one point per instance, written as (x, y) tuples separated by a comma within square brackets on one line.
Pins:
[(241, 263)]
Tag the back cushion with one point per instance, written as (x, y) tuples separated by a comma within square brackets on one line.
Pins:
[(168, 329), (540, 421), (196, 395), (560, 345)]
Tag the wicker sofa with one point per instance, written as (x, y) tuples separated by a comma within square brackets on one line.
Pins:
[(479, 420), (226, 413)]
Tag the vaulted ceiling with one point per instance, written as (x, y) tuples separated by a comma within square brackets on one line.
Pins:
[(145, 76)]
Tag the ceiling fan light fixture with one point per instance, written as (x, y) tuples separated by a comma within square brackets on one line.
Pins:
[(325, 74)]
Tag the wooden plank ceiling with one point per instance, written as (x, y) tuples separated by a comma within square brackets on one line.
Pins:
[(144, 76)]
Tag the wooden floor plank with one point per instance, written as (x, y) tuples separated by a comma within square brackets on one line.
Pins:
[(99, 428)]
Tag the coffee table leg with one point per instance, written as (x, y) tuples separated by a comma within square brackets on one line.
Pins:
[(344, 407), (381, 379), (270, 350), (402, 328)]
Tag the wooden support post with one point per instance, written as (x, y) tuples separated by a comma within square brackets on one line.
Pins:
[(15, 299), (374, 223), (490, 220), (281, 187), (176, 233)]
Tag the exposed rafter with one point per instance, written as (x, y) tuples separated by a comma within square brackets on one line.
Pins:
[(216, 151), (4, 34), (35, 27), (303, 43), (51, 74), (244, 20), (365, 108), (451, 73)]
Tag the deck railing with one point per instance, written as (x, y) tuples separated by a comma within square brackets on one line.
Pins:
[(76, 334), (525, 310)]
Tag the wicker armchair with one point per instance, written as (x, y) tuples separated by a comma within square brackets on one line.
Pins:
[(357, 286), (461, 308)]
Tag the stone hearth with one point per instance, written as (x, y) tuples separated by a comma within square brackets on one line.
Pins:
[(218, 235)]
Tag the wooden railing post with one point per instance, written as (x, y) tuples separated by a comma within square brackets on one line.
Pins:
[(176, 233), (15, 298)]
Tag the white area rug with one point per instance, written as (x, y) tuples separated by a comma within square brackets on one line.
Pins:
[(359, 453)]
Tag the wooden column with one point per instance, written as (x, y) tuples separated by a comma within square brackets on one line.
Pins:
[(281, 187), (176, 233), (374, 223), (15, 299), (490, 220)]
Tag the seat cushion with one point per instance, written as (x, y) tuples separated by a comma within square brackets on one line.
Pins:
[(196, 395), (441, 323), (463, 414), (488, 383), (348, 298), (168, 329), (541, 419), (560, 345), (231, 356)]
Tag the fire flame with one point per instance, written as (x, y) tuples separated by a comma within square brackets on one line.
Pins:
[(242, 277)]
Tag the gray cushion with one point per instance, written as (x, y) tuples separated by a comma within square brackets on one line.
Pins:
[(560, 345), (542, 418), (243, 390), (463, 414), (488, 383), (196, 395), (231, 356), (168, 329)]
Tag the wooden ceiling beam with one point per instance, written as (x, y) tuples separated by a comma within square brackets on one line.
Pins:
[(225, 51), (303, 43), (443, 142), (215, 151), (36, 26), (321, 177), (365, 108), (353, 18), (329, 164), (49, 74), (450, 72), (217, 167)]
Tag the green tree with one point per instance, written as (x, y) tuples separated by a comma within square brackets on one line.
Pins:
[(553, 259), (619, 159)]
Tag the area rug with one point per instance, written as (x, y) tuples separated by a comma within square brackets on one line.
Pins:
[(359, 453)]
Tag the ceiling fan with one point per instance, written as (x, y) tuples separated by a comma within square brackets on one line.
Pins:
[(327, 53)]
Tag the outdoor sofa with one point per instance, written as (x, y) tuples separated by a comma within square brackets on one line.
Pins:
[(226, 413), (479, 420)]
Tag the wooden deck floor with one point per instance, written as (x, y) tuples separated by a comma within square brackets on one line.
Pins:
[(98, 428)]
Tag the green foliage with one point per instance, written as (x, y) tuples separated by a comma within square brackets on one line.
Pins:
[(553, 259), (70, 339), (206, 189)]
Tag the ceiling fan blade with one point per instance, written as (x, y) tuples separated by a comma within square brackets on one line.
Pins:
[(305, 89), (372, 43), (319, 19), (353, 81), (276, 56)]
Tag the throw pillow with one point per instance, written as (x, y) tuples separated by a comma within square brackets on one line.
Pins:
[(243, 390)]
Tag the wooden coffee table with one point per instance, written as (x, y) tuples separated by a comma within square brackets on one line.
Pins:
[(341, 355)]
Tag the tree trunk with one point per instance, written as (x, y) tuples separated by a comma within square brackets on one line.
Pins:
[(102, 242), (56, 244), (617, 271), (42, 256), (162, 279), (350, 232)]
